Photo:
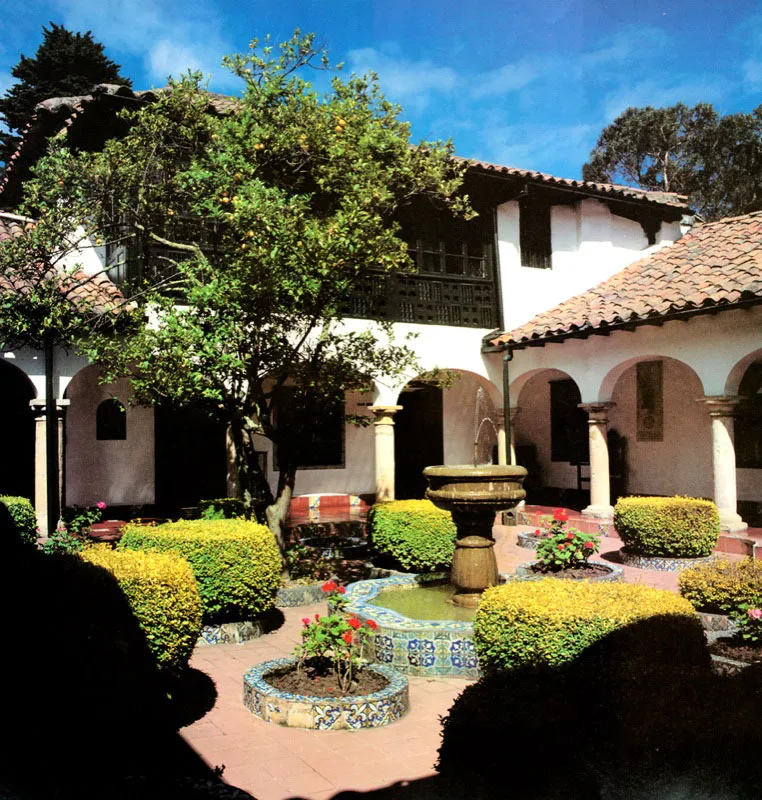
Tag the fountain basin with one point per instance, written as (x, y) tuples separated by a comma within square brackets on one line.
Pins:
[(474, 495), (428, 648)]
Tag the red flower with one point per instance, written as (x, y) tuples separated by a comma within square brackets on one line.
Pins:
[(569, 536), (330, 586), (589, 545), (347, 637), (306, 621), (537, 532), (317, 617), (371, 623), (561, 546), (354, 623), (341, 590), (559, 515)]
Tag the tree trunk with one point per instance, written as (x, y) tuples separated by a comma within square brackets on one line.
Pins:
[(277, 512)]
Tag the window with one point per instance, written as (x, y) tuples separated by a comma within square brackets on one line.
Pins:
[(318, 430), (568, 423), (748, 423), (534, 233), (110, 420), (465, 254)]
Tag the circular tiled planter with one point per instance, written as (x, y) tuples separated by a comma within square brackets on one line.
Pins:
[(614, 574), (299, 595), (662, 563), (230, 633), (717, 622), (722, 665), (324, 713), (529, 540)]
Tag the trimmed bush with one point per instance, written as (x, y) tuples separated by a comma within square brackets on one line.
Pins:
[(222, 508), (23, 515), (721, 587), (163, 596), (417, 535), (551, 622), (236, 562), (675, 527)]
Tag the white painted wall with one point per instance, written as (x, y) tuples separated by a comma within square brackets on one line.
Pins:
[(116, 472), (464, 407), (590, 244)]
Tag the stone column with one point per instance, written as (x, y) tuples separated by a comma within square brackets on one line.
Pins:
[(40, 461), (722, 410), (384, 424), (600, 490)]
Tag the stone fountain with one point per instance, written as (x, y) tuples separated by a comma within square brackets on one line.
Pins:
[(474, 495)]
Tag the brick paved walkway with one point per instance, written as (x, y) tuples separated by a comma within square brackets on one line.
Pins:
[(273, 763)]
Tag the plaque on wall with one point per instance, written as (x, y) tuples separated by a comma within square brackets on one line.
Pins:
[(650, 400)]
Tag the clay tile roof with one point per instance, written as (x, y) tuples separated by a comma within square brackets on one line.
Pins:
[(95, 293), (604, 189), (713, 266)]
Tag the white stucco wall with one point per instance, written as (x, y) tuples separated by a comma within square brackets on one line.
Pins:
[(464, 406), (589, 244), (117, 472)]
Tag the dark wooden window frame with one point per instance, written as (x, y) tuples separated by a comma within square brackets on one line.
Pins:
[(535, 233)]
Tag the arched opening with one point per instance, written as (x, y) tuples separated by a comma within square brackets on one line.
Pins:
[(17, 463), (748, 443), (660, 429), (440, 426), (551, 439)]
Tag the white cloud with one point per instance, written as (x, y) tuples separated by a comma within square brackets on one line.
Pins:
[(539, 147), (690, 90), (505, 79), (170, 39), (403, 79)]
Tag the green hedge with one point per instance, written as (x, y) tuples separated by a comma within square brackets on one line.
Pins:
[(676, 527), (236, 562), (721, 587), (222, 508), (417, 535), (23, 515), (551, 622), (163, 596)]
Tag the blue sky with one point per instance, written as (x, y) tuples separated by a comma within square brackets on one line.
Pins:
[(528, 84)]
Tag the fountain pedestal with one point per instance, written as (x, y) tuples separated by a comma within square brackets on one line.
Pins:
[(474, 495)]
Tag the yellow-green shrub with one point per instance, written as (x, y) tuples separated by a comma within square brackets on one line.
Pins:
[(163, 596), (22, 511), (551, 622), (677, 527), (237, 563), (722, 586), (416, 534)]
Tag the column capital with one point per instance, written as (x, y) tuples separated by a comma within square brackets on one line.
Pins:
[(597, 412), (38, 405), (384, 415), (722, 405), (500, 414)]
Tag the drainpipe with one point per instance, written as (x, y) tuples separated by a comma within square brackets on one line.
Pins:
[(51, 441), (508, 357)]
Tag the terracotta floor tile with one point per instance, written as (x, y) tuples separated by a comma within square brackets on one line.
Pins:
[(307, 783), (285, 766)]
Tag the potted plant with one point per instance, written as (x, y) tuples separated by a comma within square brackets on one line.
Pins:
[(327, 683), (566, 552)]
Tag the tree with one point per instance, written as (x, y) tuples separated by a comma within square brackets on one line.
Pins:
[(65, 64), (693, 151), (266, 220)]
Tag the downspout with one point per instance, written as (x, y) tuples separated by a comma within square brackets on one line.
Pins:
[(507, 358), (51, 442)]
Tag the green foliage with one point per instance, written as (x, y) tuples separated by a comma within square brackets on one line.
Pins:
[(222, 508), (415, 533), (693, 151), (236, 562), (551, 622), (676, 527), (163, 596), (22, 511), (63, 541), (78, 519), (748, 617), (305, 564), (66, 64), (565, 549), (722, 586)]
